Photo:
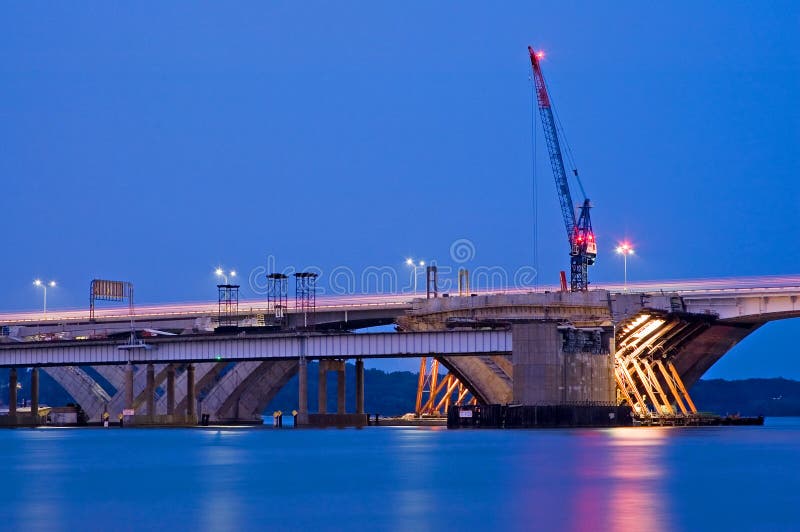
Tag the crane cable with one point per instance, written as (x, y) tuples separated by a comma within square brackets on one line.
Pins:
[(534, 191), (567, 148)]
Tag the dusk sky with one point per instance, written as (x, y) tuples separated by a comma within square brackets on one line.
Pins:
[(152, 143)]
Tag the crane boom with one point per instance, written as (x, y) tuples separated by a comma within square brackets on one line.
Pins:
[(583, 247), (553, 146)]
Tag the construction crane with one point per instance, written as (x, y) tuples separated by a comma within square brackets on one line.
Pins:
[(582, 244)]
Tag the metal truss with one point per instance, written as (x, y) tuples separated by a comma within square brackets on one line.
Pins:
[(435, 395), (645, 375)]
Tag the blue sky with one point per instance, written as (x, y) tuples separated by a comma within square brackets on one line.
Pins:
[(152, 143)]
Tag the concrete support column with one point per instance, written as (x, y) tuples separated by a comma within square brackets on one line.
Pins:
[(323, 387), (190, 398), (340, 389), (302, 399), (150, 390), (35, 391), (171, 389), (129, 385), (12, 392), (359, 386)]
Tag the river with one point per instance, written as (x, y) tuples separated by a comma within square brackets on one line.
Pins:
[(393, 478)]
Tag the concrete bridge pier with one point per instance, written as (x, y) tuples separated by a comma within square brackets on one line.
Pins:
[(129, 386), (359, 386), (12, 392), (555, 365), (340, 387), (341, 417), (35, 392), (150, 390), (191, 400), (302, 400), (171, 389), (324, 367), (322, 388)]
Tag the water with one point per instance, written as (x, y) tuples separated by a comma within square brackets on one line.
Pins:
[(383, 478)]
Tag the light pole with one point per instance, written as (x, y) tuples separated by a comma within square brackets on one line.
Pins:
[(51, 284), (221, 273), (415, 265), (625, 249)]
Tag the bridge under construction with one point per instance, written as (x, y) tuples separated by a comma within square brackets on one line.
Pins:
[(641, 346), (597, 347)]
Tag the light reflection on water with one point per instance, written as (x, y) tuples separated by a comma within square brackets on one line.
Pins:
[(383, 478)]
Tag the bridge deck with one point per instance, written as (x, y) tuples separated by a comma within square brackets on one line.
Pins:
[(213, 348)]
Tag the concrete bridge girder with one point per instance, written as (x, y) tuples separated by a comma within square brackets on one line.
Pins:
[(759, 307), (484, 377), (224, 395), (114, 374), (257, 392), (324, 318), (229, 387), (244, 391), (437, 320), (698, 355), (83, 389)]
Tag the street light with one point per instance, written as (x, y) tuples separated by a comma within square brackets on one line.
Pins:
[(51, 284), (221, 273), (625, 249), (415, 265)]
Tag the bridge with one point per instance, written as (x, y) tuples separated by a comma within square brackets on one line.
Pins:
[(660, 338)]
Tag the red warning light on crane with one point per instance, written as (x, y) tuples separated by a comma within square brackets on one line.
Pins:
[(540, 54)]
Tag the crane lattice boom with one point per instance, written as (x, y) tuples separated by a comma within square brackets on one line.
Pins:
[(582, 245)]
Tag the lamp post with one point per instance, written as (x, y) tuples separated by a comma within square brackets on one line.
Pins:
[(415, 265), (38, 282), (221, 273), (625, 249)]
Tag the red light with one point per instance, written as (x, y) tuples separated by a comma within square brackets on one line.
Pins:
[(540, 54)]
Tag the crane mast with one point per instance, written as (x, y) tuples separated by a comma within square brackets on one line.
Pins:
[(582, 244)]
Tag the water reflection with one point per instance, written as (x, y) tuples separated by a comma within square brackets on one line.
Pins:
[(639, 498), (222, 464), (389, 479)]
